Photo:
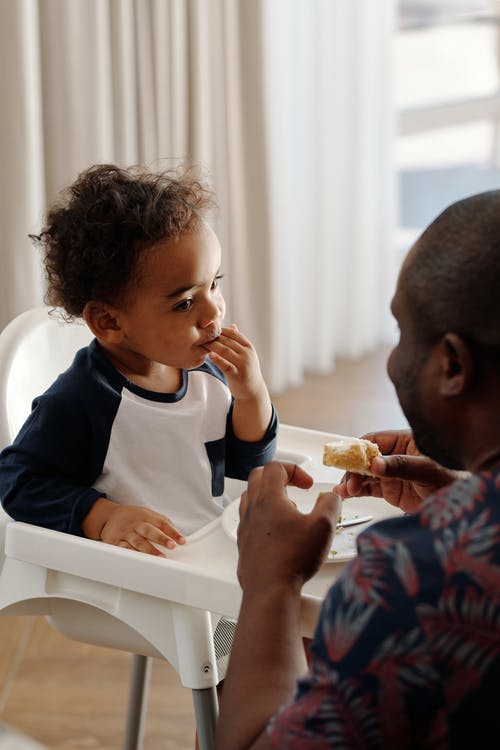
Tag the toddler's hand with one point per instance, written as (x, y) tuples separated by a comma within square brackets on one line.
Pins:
[(236, 357), (137, 528)]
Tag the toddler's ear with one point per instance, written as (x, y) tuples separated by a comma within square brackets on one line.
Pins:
[(103, 321)]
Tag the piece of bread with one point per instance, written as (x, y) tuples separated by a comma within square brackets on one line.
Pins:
[(350, 454)]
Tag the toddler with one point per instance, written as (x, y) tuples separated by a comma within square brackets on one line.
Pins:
[(132, 443)]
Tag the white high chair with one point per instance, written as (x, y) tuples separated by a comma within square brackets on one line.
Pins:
[(90, 591)]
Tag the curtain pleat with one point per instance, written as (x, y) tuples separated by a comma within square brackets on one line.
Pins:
[(124, 104), (22, 177)]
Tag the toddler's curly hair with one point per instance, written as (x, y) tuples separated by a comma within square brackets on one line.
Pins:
[(100, 226)]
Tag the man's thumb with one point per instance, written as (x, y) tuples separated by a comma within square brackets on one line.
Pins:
[(413, 468)]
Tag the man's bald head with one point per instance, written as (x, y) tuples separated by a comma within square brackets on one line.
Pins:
[(452, 274)]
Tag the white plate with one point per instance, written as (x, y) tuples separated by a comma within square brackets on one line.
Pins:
[(344, 541), (292, 457)]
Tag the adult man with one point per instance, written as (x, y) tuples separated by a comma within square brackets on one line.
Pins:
[(407, 648)]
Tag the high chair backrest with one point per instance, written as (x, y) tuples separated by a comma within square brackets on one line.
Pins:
[(34, 348), (60, 576)]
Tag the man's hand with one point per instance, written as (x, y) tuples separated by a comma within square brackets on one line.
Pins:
[(278, 545), (134, 527), (403, 476), (279, 549)]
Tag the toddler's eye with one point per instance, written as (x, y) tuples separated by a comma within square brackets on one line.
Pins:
[(184, 305), (215, 282)]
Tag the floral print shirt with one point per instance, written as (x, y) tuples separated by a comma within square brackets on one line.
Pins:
[(406, 652)]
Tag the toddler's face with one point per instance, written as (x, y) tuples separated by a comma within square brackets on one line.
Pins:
[(176, 306)]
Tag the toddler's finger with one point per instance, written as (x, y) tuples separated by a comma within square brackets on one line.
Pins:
[(227, 347), (166, 529), (222, 363), (139, 544), (235, 335)]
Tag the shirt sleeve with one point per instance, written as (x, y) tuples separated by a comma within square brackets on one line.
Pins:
[(243, 456), (46, 475), (372, 682)]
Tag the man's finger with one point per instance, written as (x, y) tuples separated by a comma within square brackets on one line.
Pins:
[(269, 481), (243, 504), (350, 485), (328, 504), (416, 468), (254, 479), (388, 440), (276, 476), (297, 477)]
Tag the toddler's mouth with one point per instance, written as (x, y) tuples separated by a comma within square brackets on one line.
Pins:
[(214, 336)]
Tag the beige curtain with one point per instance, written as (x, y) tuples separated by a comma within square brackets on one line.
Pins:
[(286, 103)]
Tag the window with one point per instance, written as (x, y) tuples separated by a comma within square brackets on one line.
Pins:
[(447, 61)]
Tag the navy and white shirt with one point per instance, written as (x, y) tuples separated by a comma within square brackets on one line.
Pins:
[(95, 434)]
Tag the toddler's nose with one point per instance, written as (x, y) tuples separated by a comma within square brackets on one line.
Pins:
[(213, 314)]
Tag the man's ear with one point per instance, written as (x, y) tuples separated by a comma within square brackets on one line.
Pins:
[(456, 365), (103, 321)]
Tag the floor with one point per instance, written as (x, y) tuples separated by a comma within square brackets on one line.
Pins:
[(71, 696)]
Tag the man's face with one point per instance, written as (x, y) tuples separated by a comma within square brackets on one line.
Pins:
[(413, 369)]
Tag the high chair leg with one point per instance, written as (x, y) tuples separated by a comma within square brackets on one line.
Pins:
[(137, 702), (206, 708)]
